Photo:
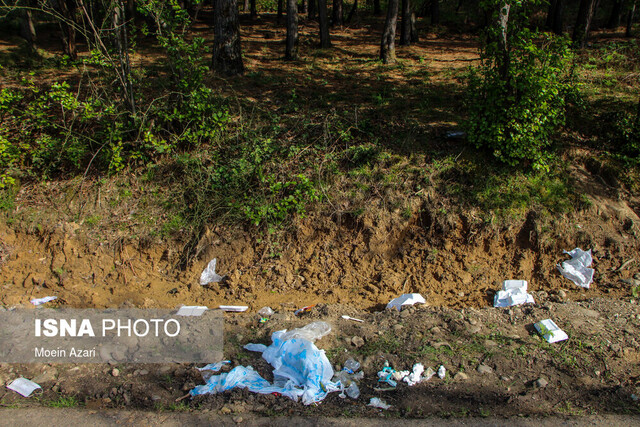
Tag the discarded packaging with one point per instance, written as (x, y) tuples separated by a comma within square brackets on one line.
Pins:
[(386, 374), (577, 268), (456, 134), (442, 372), (351, 366), (550, 331), (415, 376), (23, 386), (429, 374), (406, 299), (234, 308), (376, 402), (306, 309), (301, 370), (265, 312), (38, 301), (514, 292), (191, 310), (209, 274), (353, 391), (352, 318), (214, 367)]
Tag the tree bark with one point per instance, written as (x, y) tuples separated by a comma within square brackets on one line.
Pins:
[(583, 22), (387, 45), (632, 11), (555, 16), (503, 23), (353, 12), (414, 29), (337, 12), (303, 7), (435, 12), (246, 6), (254, 9), (291, 51), (227, 51), (27, 28), (405, 23), (616, 14), (313, 9), (377, 10), (325, 41), (68, 11), (280, 11)]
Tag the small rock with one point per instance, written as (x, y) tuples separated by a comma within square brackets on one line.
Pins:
[(541, 382), (143, 372), (461, 376), (155, 398), (357, 341), (225, 410), (397, 327), (238, 419), (46, 377), (562, 294), (115, 372), (484, 369)]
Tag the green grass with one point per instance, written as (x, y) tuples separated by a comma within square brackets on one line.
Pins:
[(64, 402)]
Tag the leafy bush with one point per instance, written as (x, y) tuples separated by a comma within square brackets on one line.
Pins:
[(515, 114)]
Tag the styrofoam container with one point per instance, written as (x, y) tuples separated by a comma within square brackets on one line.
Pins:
[(550, 331)]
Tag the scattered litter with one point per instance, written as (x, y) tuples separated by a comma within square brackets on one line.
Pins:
[(577, 268), (234, 308), (550, 331), (191, 310), (415, 376), (352, 318), (514, 292), (441, 372), (456, 134), (353, 391), (214, 367), (301, 370), (429, 374), (306, 309), (265, 312), (386, 374), (406, 299), (376, 402), (347, 378), (38, 301), (255, 347), (23, 386), (209, 274)]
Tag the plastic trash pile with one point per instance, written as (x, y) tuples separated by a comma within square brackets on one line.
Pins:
[(514, 292), (392, 377), (301, 370), (347, 379), (577, 268)]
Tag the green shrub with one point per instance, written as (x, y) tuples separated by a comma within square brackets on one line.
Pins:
[(515, 115)]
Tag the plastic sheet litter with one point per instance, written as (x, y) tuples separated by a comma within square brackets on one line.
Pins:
[(301, 370), (209, 274), (214, 367), (456, 134), (550, 331), (385, 375), (428, 374), (351, 366), (44, 300), (376, 402), (23, 386), (442, 372), (406, 300), (577, 268), (514, 292), (191, 310), (265, 312), (415, 376), (234, 308)]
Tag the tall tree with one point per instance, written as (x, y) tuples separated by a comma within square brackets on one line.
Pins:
[(312, 9), (337, 12), (632, 11), (280, 11), (254, 9), (377, 10), (303, 7), (616, 14), (291, 50), (405, 23), (387, 45), (325, 42), (68, 24), (435, 12), (503, 23), (583, 22), (27, 27), (555, 16), (227, 53), (353, 12)]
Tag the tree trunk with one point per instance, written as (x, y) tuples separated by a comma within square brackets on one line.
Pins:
[(291, 52), (583, 22), (387, 45), (68, 12), (254, 9), (325, 41), (337, 12), (632, 11), (353, 12), (279, 16), (246, 6), (377, 10), (27, 28), (122, 45), (313, 9), (503, 23), (227, 52), (435, 12), (414, 29), (616, 14), (554, 16), (303, 7), (405, 23)]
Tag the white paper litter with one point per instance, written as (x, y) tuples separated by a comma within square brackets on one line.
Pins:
[(415, 376), (23, 386), (376, 402), (234, 308), (191, 310), (209, 274), (550, 331), (577, 268), (38, 301), (442, 371), (406, 299), (514, 292)]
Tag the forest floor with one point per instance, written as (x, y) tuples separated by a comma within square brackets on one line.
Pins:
[(421, 216)]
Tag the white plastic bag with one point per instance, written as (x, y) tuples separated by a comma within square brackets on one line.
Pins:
[(577, 268), (209, 274)]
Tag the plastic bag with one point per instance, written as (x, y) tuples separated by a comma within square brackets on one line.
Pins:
[(577, 268), (406, 299), (209, 274)]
